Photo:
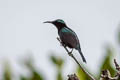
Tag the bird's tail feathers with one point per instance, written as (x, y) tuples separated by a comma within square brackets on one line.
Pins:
[(83, 58)]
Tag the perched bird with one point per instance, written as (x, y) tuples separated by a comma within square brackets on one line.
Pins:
[(67, 36)]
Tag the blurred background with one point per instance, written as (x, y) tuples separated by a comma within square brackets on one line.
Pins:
[(29, 49)]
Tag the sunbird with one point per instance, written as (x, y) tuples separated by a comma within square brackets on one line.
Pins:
[(67, 36)]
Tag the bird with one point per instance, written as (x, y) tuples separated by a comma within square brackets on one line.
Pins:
[(67, 36)]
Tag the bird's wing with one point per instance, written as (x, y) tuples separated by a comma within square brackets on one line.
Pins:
[(70, 39)]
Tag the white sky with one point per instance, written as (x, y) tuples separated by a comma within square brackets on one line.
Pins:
[(22, 30)]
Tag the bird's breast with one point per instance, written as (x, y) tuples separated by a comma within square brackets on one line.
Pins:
[(68, 38)]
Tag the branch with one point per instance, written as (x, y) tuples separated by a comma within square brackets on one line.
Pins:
[(71, 55), (72, 77), (118, 69), (107, 76)]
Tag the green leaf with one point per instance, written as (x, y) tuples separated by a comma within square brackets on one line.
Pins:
[(23, 78), (59, 76), (106, 64), (57, 61), (34, 73), (36, 76), (81, 74), (7, 74)]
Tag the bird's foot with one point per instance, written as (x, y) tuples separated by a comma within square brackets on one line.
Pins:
[(70, 54), (62, 44)]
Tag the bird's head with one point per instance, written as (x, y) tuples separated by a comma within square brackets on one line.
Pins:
[(59, 23)]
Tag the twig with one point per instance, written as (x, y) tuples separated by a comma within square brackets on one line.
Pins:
[(72, 77), (107, 76), (118, 70), (70, 54), (116, 65)]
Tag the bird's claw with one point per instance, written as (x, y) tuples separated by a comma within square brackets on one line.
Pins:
[(70, 54)]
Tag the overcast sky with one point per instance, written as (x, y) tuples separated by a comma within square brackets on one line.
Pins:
[(23, 33)]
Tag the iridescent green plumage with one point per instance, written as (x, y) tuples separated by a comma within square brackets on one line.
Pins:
[(67, 36)]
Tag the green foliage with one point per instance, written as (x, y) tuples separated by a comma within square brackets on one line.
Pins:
[(106, 64), (81, 74), (7, 72), (59, 76), (58, 61), (23, 78), (35, 75)]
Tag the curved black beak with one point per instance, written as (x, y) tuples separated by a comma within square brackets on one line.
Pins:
[(47, 22)]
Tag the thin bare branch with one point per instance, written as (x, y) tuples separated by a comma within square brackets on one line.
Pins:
[(70, 54), (72, 77)]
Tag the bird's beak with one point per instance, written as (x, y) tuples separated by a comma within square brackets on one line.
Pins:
[(47, 22)]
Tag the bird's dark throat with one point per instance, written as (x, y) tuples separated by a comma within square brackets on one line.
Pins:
[(59, 26)]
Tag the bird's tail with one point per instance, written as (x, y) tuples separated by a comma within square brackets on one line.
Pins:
[(83, 58)]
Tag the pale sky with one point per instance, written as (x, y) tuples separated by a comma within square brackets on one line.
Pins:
[(23, 33)]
